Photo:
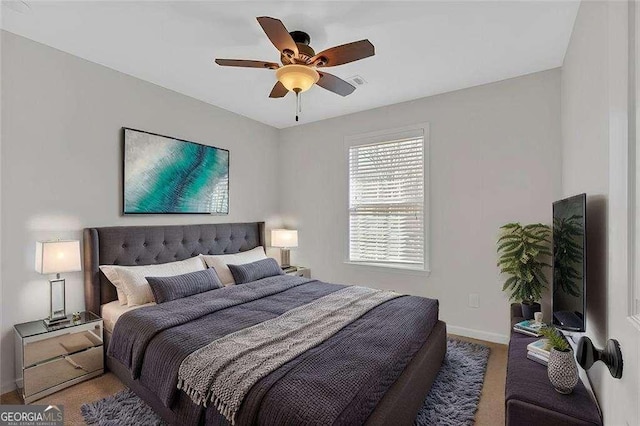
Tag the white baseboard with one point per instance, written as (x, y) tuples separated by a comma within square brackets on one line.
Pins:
[(478, 334), (7, 386)]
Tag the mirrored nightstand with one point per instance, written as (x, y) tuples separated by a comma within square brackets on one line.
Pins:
[(49, 359), (298, 271)]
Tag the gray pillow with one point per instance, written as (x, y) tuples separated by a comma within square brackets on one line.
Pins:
[(165, 289), (255, 270)]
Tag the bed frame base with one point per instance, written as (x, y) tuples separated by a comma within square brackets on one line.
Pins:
[(399, 406), (403, 400)]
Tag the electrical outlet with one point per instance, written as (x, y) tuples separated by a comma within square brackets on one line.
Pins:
[(474, 300)]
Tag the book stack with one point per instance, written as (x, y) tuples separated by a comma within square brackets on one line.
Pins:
[(538, 351), (529, 327)]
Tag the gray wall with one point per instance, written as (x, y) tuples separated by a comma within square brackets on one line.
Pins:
[(494, 158), (60, 164), (585, 147)]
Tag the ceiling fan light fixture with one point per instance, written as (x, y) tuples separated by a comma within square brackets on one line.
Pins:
[(298, 78)]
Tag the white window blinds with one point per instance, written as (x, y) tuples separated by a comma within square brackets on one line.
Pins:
[(387, 202)]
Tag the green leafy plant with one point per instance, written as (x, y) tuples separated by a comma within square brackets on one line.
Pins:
[(522, 251), (555, 338), (567, 253)]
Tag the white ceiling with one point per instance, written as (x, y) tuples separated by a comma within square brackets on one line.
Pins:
[(422, 48)]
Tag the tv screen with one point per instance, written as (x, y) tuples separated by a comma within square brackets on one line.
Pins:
[(569, 263)]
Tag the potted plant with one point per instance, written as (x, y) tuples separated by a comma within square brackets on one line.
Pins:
[(561, 369), (523, 251)]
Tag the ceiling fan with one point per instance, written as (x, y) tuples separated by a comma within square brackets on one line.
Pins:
[(300, 63)]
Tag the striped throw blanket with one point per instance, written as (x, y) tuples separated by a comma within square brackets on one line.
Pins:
[(223, 371)]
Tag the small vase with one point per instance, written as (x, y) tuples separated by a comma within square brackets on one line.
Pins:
[(562, 371), (528, 309)]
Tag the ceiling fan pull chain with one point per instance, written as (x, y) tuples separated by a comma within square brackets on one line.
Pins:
[(297, 104)]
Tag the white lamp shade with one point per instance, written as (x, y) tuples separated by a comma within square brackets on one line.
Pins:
[(284, 238), (54, 257)]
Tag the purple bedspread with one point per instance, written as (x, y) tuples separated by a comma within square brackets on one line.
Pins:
[(339, 381)]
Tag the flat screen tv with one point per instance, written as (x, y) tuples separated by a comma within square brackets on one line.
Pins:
[(569, 263)]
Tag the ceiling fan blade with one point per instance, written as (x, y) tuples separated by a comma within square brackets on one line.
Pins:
[(247, 64), (343, 54), (278, 91), (335, 84), (279, 36)]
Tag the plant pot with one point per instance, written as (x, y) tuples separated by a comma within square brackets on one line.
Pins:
[(562, 371), (528, 309)]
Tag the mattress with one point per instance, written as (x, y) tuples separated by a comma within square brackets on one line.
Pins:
[(112, 311)]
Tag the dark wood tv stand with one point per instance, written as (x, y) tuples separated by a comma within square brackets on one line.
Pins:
[(529, 397)]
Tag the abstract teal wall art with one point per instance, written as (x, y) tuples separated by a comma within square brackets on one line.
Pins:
[(167, 175)]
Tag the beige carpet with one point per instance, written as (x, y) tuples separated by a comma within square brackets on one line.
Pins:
[(73, 397), (490, 409)]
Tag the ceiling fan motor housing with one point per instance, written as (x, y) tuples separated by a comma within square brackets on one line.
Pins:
[(305, 52), (300, 37)]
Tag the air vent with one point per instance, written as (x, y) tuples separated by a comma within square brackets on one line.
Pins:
[(357, 80)]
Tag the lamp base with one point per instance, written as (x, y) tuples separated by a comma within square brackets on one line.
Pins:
[(285, 258), (57, 306), (55, 321)]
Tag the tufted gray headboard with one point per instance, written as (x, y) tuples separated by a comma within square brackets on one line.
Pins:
[(147, 245)]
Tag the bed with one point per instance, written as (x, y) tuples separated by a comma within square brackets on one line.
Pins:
[(392, 399)]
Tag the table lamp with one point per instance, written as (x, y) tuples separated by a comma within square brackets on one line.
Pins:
[(285, 239), (56, 257)]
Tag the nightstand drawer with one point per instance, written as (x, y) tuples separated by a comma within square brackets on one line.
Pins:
[(68, 343), (58, 371)]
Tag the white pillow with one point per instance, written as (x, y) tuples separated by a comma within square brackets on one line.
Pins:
[(220, 262), (131, 280), (111, 272)]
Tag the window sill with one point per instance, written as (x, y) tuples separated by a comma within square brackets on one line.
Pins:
[(393, 268)]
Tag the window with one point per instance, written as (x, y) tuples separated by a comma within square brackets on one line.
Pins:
[(387, 200)]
